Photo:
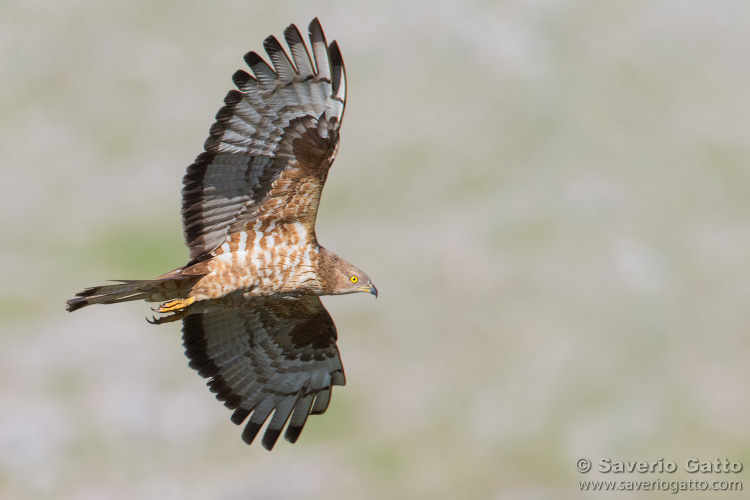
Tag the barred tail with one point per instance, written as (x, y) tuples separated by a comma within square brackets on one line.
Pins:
[(111, 294), (172, 285)]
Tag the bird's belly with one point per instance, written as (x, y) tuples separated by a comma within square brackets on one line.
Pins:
[(256, 275)]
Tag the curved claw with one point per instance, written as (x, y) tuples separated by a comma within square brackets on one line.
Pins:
[(168, 319)]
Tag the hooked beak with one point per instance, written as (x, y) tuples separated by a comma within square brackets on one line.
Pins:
[(371, 289)]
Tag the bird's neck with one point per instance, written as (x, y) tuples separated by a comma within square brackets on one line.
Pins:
[(328, 263)]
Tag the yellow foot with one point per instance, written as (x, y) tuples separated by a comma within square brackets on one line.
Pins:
[(175, 305)]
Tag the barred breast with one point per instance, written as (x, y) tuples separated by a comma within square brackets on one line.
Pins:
[(252, 262)]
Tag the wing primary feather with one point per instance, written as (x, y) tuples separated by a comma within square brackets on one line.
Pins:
[(257, 419), (338, 73), (278, 421), (284, 70), (270, 437), (299, 417), (251, 430), (299, 51), (338, 378), (321, 401), (320, 50), (263, 73), (239, 415)]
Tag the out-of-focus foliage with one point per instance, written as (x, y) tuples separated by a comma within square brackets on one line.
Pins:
[(552, 198)]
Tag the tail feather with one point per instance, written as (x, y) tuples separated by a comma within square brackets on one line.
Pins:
[(111, 294), (170, 286)]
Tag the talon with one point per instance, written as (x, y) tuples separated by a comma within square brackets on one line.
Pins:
[(175, 305), (168, 319)]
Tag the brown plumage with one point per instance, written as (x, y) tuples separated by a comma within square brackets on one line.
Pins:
[(253, 323)]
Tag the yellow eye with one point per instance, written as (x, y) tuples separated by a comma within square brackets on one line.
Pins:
[(353, 279)]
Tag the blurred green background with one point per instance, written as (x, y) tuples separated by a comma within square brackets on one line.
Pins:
[(551, 196)]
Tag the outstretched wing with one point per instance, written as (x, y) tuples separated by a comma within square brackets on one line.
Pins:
[(268, 355), (268, 154)]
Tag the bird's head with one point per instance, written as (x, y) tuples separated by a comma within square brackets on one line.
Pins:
[(341, 277)]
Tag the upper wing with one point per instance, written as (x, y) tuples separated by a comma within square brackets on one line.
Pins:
[(269, 355), (268, 154)]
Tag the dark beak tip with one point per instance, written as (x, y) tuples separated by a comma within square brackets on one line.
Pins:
[(374, 290)]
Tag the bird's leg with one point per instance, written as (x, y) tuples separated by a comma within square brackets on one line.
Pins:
[(175, 305)]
